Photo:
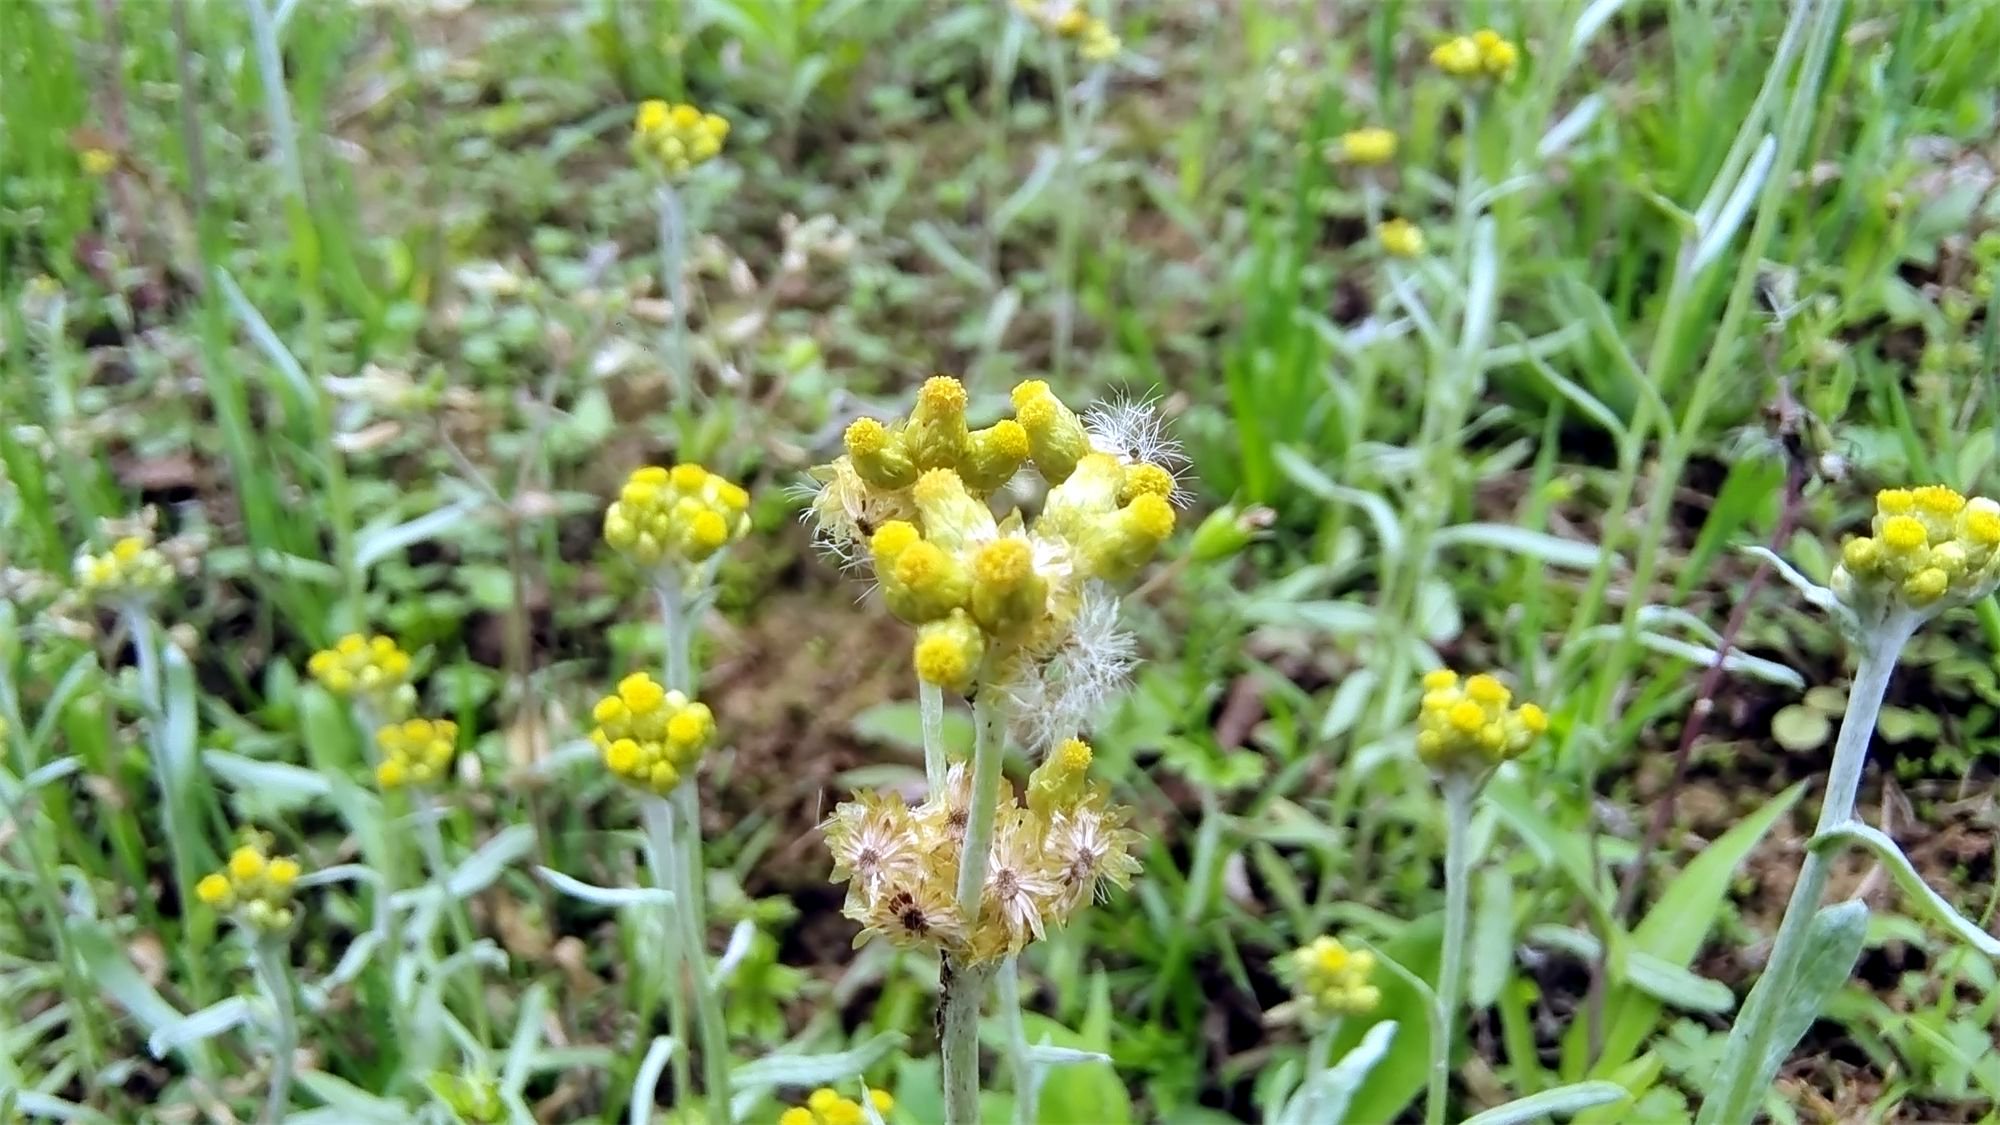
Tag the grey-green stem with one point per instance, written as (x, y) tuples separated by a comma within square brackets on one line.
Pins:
[(960, 992), (1027, 1090), (430, 831), (673, 259), (1459, 791), (275, 976), (989, 752), (930, 701), (1736, 1090)]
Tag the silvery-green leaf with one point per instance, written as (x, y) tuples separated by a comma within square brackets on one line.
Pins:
[(647, 1080), (786, 1067), (482, 867), (606, 896), (1562, 1100), (197, 1027), (1325, 1095), (1537, 545), (1912, 884), (1658, 978), (377, 543), (526, 1040), (285, 783)]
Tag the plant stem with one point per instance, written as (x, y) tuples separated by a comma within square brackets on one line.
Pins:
[(673, 260), (959, 994), (1459, 790), (1027, 1091), (673, 825), (276, 978), (662, 855), (930, 701), (1736, 1095), (1071, 212), (430, 833), (988, 752)]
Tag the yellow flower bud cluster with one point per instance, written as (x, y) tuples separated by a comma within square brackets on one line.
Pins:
[(975, 586), (415, 752), (649, 736), (1483, 54), (666, 517), (1068, 20), (132, 568), (1470, 727), (1400, 237), (1049, 856), (1330, 980), (373, 670), (826, 1106), (676, 138), (1929, 547), (1367, 146), (254, 886)]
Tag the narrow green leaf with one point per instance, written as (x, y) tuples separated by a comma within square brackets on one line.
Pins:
[(1537, 545), (1549, 1103), (1912, 883)]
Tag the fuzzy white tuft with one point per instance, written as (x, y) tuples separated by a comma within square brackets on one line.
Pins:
[(1058, 694), (1132, 429)]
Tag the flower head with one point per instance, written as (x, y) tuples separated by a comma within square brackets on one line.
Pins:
[(649, 736), (415, 752), (678, 516), (373, 670), (1929, 548), (1368, 146), (132, 570), (1067, 19), (1329, 980), (253, 886), (1400, 237), (1469, 726), (1485, 54), (826, 1106), (676, 139)]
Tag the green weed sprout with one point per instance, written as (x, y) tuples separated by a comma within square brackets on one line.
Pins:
[(1021, 616), (1928, 549)]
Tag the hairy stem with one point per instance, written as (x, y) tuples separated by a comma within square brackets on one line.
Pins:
[(1459, 791), (663, 856), (673, 259), (1736, 1094), (930, 700), (989, 750), (960, 992), (275, 976)]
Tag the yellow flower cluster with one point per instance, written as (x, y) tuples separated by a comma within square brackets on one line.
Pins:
[(1469, 726), (1369, 146), (981, 589), (415, 752), (1094, 39), (1049, 856), (1400, 237), (1929, 547), (676, 138), (1483, 54), (649, 736), (255, 886), (826, 1106), (667, 517), (373, 670), (1330, 981), (132, 568)]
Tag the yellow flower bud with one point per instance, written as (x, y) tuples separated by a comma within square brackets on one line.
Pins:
[(1400, 237), (1060, 781), (392, 773), (823, 1099), (245, 864), (936, 436), (1372, 145), (878, 455), (797, 1115), (951, 517), (1458, 57), (282, 872), (883, 1102), (215, 890), (1056, 437), (993, 455), (1007, 594), (1904, 534), (1926, 586), (948, 651), (925, 583), (1861, 555)]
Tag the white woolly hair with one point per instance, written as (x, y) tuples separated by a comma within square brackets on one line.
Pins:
[(1058, 694), (1132, 429)]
